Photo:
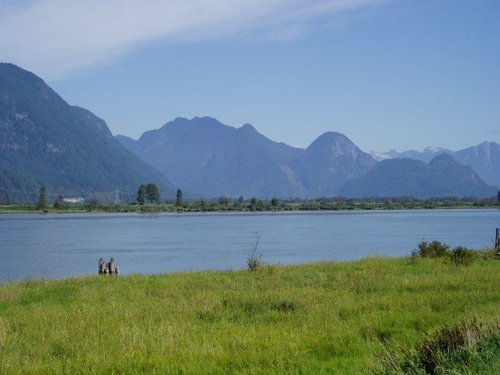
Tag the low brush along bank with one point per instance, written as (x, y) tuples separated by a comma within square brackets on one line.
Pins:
[(257, 205), (316, 318)]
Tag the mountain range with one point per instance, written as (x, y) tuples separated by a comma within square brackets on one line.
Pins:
[(46, 141), (442, 176), (484, 158), (214, 159)]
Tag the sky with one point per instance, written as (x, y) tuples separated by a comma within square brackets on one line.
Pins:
[(389, 74)]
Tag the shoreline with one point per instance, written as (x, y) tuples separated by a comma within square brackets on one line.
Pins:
[(238, 208), (482, 253)]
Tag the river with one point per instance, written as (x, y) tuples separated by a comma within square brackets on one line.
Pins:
[(55, 246)]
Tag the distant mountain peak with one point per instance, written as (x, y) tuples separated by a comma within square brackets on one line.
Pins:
[(13, 74), (331, 140), (332, 136), (183, 123), (68, 149), (334, 145), (330, 161), (205, 120), (18, 71), (248, 128), (433, 149), (487, 146), (443, 159), (175, 122), (486, 143)]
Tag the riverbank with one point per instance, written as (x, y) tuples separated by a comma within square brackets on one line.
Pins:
[(326, 317), (225, 205)]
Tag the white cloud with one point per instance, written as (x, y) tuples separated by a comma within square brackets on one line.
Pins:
[(58, 37)]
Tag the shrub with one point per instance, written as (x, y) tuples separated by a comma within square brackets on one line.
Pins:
[(462, 256), (254, 259), (435, 249), (451, 349), (486, 253)]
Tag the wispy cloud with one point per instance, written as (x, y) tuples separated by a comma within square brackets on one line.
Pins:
[(58, 37)]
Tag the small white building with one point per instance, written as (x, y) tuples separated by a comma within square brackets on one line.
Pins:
[(73, 201)]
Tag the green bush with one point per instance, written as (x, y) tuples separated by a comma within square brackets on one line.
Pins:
[(254, 259), (462, 256), (435, 249), (466, 348)]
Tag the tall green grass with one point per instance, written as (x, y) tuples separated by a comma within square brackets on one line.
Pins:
[(466, 348), (319, 318)]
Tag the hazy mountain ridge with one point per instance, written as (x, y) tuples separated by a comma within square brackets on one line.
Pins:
[(484, 158), (45, 141), (214, 159), (442, 176)]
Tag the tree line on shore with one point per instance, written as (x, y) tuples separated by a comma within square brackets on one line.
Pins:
[(148, 198)]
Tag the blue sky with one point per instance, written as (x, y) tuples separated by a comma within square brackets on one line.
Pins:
[(389, 74)]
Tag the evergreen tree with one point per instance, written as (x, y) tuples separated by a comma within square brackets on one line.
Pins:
[(141, 195), (253, 203), (42, 198), (178, 197), (224, 201), (152, 193), (59, 202)]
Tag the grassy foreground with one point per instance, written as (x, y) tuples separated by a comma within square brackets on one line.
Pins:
[(319, 318)]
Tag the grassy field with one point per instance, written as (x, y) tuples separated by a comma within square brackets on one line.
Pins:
[(319, 318)]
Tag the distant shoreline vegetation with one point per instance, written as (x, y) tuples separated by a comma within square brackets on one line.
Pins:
[(226, 204)]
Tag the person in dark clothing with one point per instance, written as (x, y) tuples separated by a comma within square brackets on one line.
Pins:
[(112, 267), (101, 266)]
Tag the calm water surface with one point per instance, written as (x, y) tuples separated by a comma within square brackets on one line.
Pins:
[(64, 245)]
